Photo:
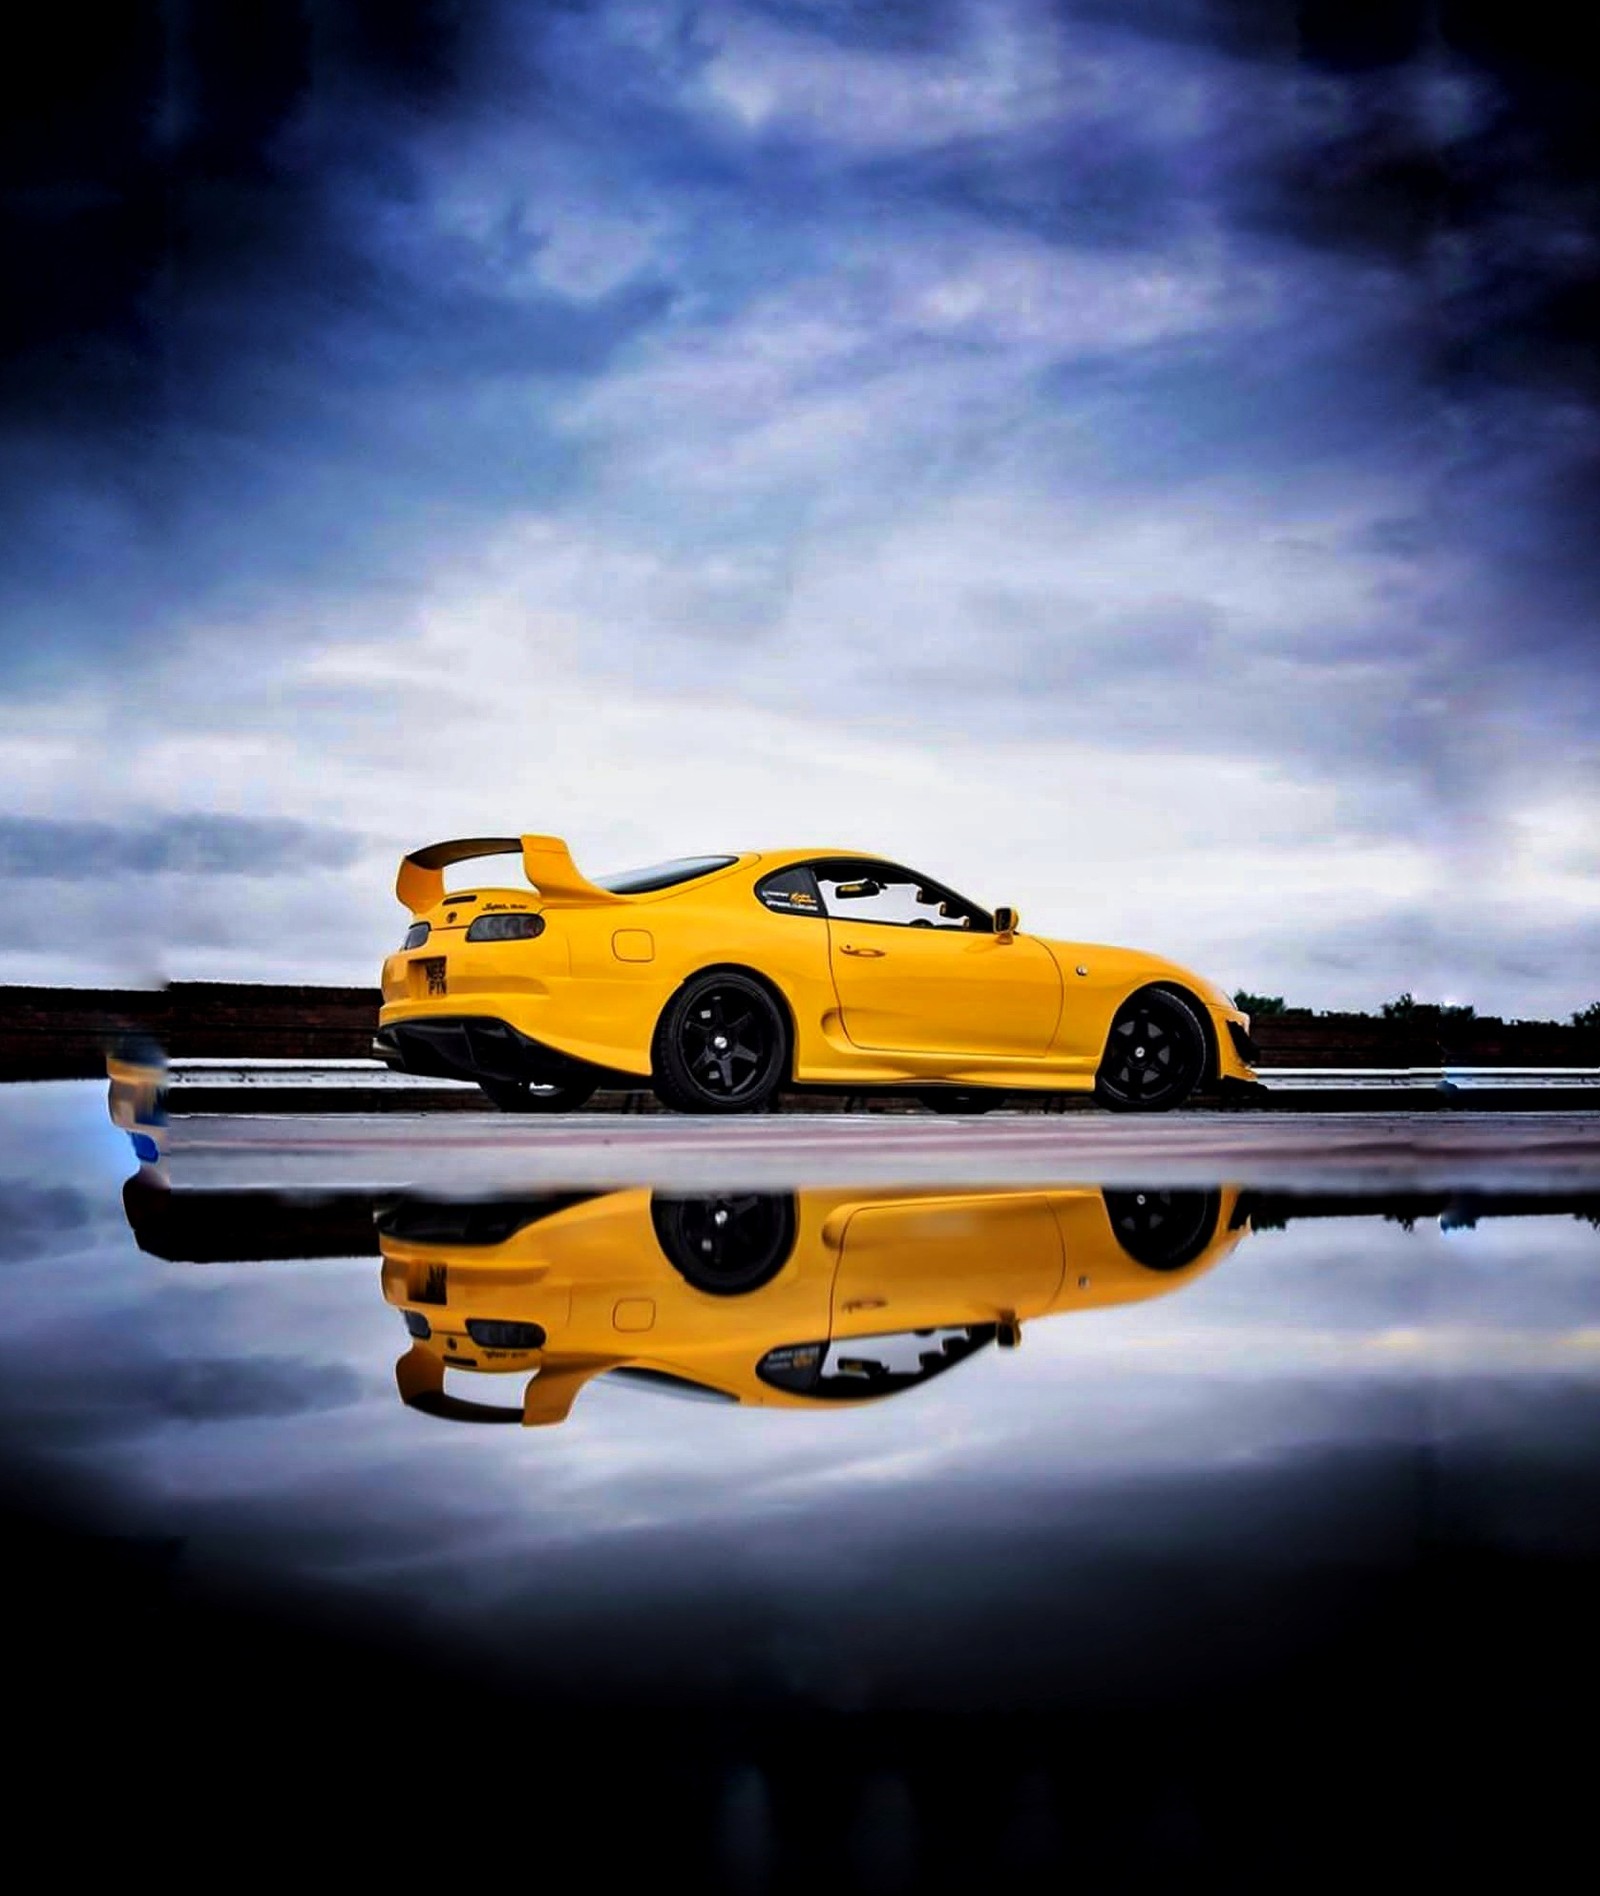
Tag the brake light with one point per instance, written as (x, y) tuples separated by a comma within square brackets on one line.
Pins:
[(506, 928), (498, 1333), (416, 935)]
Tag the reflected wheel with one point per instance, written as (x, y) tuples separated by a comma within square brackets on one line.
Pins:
[(1155, 1054), (1163, 1231), (726, 1244)]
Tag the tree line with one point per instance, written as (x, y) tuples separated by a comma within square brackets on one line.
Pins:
[(1404, 1007)]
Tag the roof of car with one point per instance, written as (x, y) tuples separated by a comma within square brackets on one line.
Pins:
[(822, 855)]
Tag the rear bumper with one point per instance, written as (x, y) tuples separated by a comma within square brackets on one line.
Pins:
[(469, 1047)]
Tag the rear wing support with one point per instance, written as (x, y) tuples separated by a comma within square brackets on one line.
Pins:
[(546, 862)]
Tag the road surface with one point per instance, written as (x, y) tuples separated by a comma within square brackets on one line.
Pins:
[(1492, 1151)]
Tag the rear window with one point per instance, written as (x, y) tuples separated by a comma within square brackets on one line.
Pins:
[(663, 875)]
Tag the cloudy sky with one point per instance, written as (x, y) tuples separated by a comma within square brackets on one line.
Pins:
[(1135, 459)]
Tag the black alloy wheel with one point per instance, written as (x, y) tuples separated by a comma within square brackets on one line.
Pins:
[(1162, 1230), (1155, 1054), (957, 1099), (529, 1096), (721, 1046), (726, 1244)]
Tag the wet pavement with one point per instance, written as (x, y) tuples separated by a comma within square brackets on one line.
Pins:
[(490, 1152), (886, 1518)]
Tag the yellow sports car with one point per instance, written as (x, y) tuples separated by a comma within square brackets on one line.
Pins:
[(790, 1298), (719, 980)]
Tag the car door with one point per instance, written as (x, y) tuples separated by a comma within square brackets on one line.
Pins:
[(918, 970), (929, 1261)]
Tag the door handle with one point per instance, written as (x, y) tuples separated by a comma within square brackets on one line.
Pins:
[(876, 954)]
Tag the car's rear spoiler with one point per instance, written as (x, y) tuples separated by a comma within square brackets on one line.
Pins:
[(546, 862)]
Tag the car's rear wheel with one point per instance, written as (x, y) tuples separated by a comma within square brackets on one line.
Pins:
[(1155, 1054), (526, 1096), (727, 1244), (721, 1045)]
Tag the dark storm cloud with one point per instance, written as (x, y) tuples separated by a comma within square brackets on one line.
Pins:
[(38, 1219), (900, 26), (47, 849), (227, 330), (139, 1396), (158, 155), (254, 1387), (239, 333), (1455, 139)]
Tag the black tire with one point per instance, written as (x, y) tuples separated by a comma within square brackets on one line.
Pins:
[(726, 1244), (721, 1045), (1162, 1230), (957, 1099), (1155, 1054), (525, 1096)]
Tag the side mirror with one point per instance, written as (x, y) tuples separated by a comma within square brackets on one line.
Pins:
[(1005, 923)]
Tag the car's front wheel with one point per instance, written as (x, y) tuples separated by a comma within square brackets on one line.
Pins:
[(721, 1045), (1163, 1230), (1155, 1054), (525, 1096)]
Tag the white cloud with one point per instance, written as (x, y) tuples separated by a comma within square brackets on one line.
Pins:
[(1006, 68), (1004, 72), (511, 701)]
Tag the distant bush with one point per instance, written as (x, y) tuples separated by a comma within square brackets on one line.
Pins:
[(1407, 1007), (1258, 1005), (1587, 1016)]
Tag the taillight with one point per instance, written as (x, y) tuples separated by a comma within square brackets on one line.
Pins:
[(496, 1333), (416, 935), (506, 928)]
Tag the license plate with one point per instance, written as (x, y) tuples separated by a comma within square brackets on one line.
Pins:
[(432, 975)]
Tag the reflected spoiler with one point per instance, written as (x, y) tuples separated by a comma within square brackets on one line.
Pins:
[(546, 862)]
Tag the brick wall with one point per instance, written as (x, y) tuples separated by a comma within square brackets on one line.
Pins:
[(64, 1033), (1357, 1040)]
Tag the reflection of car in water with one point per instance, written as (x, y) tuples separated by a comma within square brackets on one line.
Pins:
[(812, 1297)]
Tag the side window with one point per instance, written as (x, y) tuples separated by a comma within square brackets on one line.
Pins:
[(847, 1369), (790, 892), (879, 892)]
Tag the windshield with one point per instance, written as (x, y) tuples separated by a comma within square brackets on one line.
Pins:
[(662, 875)]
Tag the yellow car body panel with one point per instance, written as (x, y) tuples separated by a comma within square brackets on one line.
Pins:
[(597, 1282), (869, 1003)]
